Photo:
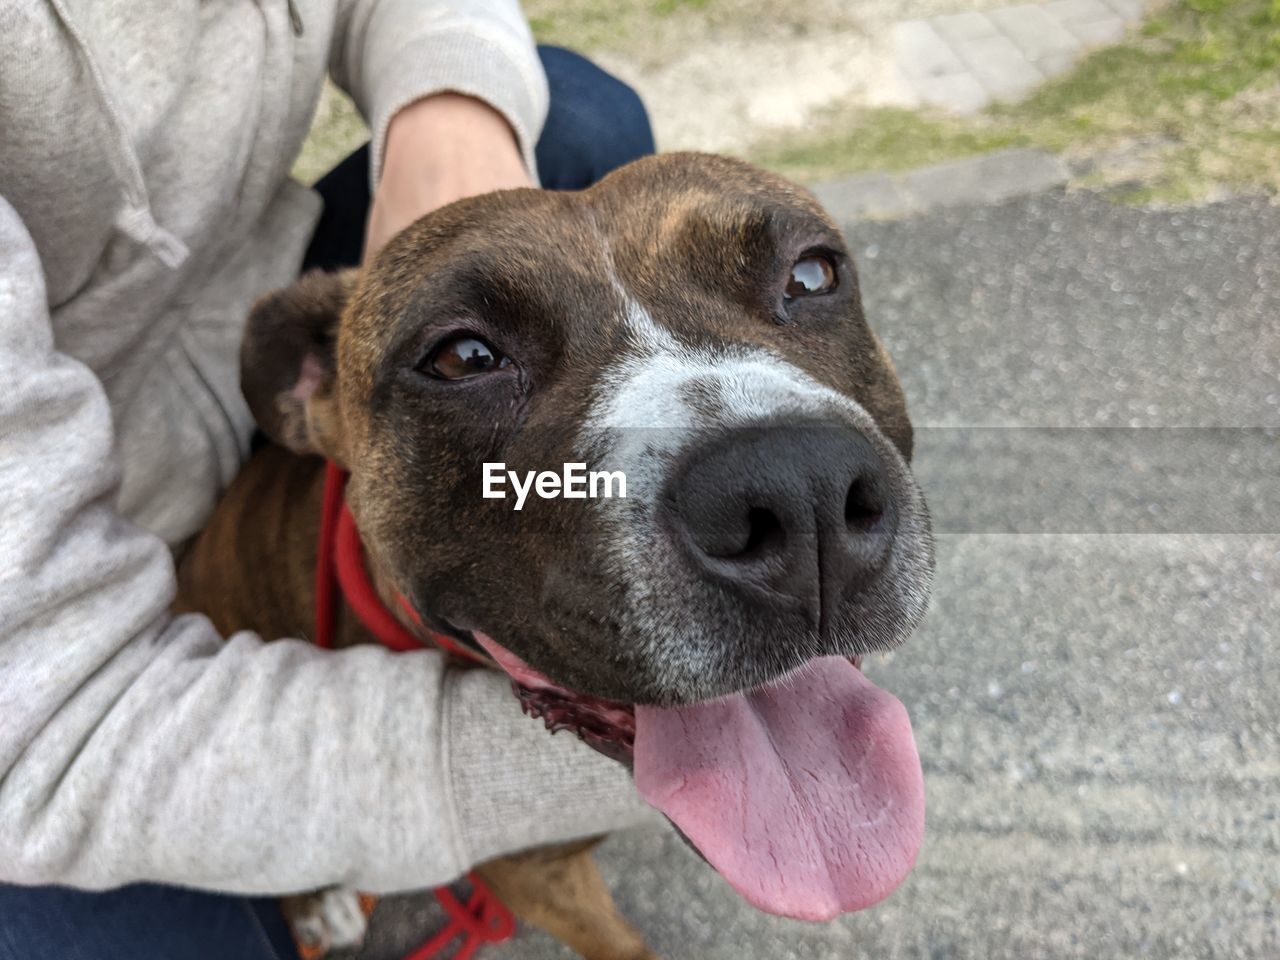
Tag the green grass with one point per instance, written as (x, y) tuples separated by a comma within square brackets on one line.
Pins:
[(887, 139), (336, 130), (1199, 84)]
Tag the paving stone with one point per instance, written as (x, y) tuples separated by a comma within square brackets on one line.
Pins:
[(1099, 33), (999, 66), (1129, 10), (867, 197), (1055, 64), (964, 26), (1035, 33), (1072, 12), (986, 179), (959, 92), (989, 178), (922, 53), (962, 62)]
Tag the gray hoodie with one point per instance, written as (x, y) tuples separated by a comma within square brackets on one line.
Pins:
[(144, 203)]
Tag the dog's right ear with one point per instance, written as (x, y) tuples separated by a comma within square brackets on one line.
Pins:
[(288, 367)]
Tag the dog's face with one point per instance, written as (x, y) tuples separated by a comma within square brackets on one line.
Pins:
[(691, 322)]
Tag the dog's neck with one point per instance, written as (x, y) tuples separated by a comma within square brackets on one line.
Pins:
[(343, 574), (254, 566)]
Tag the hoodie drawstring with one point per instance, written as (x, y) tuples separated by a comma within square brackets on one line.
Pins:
[(136, 220)]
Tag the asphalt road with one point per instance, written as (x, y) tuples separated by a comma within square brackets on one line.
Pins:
[(1096, 690)]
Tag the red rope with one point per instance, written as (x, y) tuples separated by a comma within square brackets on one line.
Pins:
[(483, 919), (340, 566)]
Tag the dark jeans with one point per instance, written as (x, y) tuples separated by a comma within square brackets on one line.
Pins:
[(144, 921), (595, 123)]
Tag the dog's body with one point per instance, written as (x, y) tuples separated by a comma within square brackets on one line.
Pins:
[(690, 321)]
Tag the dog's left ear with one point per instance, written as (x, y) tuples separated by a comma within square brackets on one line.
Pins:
[(288, 364)]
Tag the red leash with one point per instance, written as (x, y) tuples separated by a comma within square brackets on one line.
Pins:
[(341, 571)]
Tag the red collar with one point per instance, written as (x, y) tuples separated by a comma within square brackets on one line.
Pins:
[(340, 566)]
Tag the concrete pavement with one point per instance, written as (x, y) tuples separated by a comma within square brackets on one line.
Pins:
[(1096, 698)]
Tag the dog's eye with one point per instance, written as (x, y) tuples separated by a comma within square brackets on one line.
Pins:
[(461, 357), (809, 275)]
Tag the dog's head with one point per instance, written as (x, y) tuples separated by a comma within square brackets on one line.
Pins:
[(691, 323)]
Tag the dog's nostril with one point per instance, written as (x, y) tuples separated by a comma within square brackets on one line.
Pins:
[(751, 536), (863, 505), (764, 533)]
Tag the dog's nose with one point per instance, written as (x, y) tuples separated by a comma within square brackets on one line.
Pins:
[(796, 518)]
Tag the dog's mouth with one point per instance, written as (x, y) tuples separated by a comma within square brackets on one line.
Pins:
[(607, 725), (806, 794)]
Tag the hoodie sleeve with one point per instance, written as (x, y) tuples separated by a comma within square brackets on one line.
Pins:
[(139, 746), (388, 53)]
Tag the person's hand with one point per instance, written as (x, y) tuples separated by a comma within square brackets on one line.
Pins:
[(440, 149)]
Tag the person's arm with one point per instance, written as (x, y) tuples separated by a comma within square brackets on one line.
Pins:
[(455, 96), (440, 149), (138, 746)]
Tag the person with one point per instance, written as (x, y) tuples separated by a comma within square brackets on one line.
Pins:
[(159, 783)]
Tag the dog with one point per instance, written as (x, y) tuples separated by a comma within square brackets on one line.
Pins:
[(694, 324)]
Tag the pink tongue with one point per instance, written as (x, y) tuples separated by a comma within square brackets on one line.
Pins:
[(806, 796)]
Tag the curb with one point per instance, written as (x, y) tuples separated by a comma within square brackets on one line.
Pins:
[(985, 179)]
